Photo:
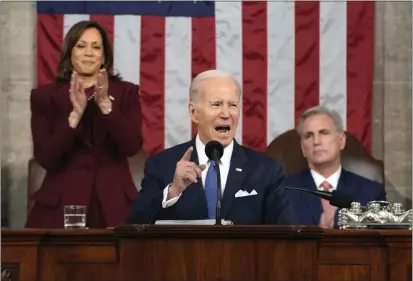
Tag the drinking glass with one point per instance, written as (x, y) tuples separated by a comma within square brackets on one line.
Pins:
[(75, 216)]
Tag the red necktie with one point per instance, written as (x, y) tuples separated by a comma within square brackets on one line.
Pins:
[(327, 187), (327, 217)]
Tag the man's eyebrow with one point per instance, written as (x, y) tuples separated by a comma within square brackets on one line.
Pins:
[(320, 130)]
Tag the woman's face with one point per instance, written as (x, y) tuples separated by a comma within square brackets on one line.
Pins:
[(88, 53)]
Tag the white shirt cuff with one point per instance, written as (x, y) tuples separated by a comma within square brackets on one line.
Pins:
[(170, 202)]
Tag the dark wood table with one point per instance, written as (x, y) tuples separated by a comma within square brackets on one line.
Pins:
[(148, 252)]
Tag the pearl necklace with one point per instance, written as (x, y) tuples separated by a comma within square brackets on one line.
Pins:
[(92, 96)]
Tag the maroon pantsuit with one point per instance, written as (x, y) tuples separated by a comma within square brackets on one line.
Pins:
[(87, 165)]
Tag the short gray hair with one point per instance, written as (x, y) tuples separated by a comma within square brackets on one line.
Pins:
[(333, 114), (214, 73)]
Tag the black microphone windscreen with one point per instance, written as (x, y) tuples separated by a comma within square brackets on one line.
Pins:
[(214, 150), (341, 199)]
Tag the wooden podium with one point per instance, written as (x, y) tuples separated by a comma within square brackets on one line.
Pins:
[(148, 252)]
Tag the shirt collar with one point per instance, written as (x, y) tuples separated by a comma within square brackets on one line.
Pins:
[(332, 180), (203, 159)]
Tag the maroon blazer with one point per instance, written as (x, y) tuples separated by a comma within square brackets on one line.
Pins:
[(84, 159)]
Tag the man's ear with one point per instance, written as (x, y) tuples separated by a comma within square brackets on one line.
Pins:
[(193, 112), (302, 148), (343, 139)]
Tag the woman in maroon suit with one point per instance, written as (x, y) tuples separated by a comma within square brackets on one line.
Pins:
[(84, 126)]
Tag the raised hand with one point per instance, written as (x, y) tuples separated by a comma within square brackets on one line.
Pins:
[(78, 99), (186, 173), (101, 92)]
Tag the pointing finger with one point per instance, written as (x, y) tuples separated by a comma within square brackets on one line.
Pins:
[(187, 155)]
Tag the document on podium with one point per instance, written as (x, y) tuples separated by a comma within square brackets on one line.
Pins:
[(191, 222)]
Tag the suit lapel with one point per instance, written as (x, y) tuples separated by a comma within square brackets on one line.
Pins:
[(61, 100), (344, 187), (100, 128), (342, 183), (235, 178), (313, 202)]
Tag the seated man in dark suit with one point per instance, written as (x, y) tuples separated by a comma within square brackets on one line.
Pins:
[(180, 182), (322, 139)]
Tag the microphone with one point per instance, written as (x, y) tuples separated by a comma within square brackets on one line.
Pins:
[(214, 150), (336, 198)]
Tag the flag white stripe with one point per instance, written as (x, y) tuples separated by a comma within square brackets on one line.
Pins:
[(333, 56), (228, 28), (70, 20), (280, 68), (126, 45), (178, 65)]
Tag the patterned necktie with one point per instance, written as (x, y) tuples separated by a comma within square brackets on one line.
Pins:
[(327, 218), (211, 190), (327, 187)]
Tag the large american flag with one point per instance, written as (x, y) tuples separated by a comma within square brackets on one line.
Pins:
[(288, 56)]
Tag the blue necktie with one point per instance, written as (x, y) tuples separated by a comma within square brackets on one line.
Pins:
[(211, 190)]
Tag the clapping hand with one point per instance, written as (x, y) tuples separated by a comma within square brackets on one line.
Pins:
[(101, 92), (77, 98)]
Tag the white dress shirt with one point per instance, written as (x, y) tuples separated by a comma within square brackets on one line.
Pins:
[(203, 159), (332, 180)]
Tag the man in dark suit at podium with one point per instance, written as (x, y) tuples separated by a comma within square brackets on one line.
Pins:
[(180, 183), (322, 139)]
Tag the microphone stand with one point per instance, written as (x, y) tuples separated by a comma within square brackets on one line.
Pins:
[(219, 195), (216, 157)]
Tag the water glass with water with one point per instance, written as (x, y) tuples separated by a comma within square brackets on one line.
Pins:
[(75, 216)]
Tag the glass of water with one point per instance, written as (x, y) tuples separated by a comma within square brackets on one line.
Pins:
[(75, 216)]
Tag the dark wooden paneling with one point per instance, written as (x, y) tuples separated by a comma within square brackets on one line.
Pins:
[(399, 255), (80, 263), (343, 272), (207, 253)]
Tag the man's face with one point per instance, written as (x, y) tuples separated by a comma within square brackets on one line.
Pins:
[(320, 142), (217, 111)]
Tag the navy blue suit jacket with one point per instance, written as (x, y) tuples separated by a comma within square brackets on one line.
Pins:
[(307, 207), (259, 172)]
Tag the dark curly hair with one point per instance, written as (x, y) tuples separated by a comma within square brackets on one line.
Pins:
[(65, 67)]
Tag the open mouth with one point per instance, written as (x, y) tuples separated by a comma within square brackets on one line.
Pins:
[(223, 130)]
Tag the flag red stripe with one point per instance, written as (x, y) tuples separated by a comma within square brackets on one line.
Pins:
[(108, 23), (307, 56), (49, 46), (360, 59), (254, 69), (203, 48), (152, 81)]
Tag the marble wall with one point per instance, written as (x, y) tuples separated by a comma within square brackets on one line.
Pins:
[(392, 114), (17, 77), (392, 124)]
